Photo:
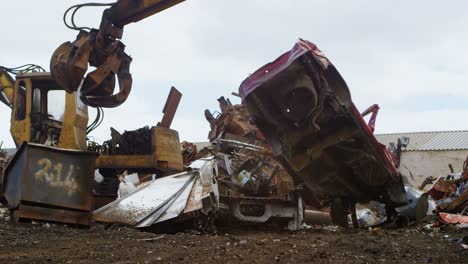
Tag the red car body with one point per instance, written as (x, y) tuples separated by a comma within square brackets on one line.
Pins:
[(303, 107)]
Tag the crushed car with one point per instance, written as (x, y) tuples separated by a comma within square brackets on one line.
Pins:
[(303, 107)]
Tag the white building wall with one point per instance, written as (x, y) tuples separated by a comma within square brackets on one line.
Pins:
[(431, 163)]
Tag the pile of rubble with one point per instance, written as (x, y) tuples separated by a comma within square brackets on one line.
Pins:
[(446, 199), (450, 194), (235, 178), (253, 185), (296, 142)]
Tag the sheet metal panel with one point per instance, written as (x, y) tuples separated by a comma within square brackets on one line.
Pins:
[(136, 208)]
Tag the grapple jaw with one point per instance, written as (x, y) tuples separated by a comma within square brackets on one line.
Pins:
[(102, 50), (69, 62)]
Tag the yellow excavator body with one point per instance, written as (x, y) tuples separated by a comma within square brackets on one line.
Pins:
[(43, 113)]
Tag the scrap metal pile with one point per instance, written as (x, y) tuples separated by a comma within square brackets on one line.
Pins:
[(295, 142), (450, 194), (296, 139), (175, 198), (253, 185), (303, 106), (236, 178)]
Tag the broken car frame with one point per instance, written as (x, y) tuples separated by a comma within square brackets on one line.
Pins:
[(303, 107)]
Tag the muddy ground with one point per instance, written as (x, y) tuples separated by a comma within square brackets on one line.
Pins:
[(46, 243)]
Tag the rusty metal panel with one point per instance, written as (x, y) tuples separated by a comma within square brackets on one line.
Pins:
[(204, 187), (197, 193), (52, 214), (126, 161), (170, 108), (103, 50), (47, 176)]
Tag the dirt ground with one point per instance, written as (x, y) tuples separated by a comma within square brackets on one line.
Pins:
[(52, 243)]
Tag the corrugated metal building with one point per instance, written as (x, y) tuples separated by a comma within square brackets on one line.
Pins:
[(429, 153)]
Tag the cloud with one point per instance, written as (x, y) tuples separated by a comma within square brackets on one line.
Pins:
[(402, 55)]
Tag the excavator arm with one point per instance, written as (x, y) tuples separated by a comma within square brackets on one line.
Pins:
[(128, 11), (101, 48), (7, 86)]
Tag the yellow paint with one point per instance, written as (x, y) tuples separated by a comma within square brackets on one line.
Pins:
[(73, 134), (75, 119), (20, 129), (43, 172), (166, 148), (126, 161), (166, 154), (7, 86), (53, 175)]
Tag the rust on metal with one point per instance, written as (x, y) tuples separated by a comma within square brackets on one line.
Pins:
[(303, 107), (48, 183), (102, 49), (52, 214), (170, 108), (155, 149), (69, 64), (234, 120), (126, 161), (235, 134), (252, 184), (190, 152)]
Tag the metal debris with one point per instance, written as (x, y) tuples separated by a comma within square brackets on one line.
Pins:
[(450, 194), (163, 199), (453, 218), (190, 152), (374, 213), (170, 108), (254, 187), (303, 107)]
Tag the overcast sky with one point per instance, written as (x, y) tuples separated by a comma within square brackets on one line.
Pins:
[(408, 56)]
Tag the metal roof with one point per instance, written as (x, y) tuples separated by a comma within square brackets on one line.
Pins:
[(425, 141)]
